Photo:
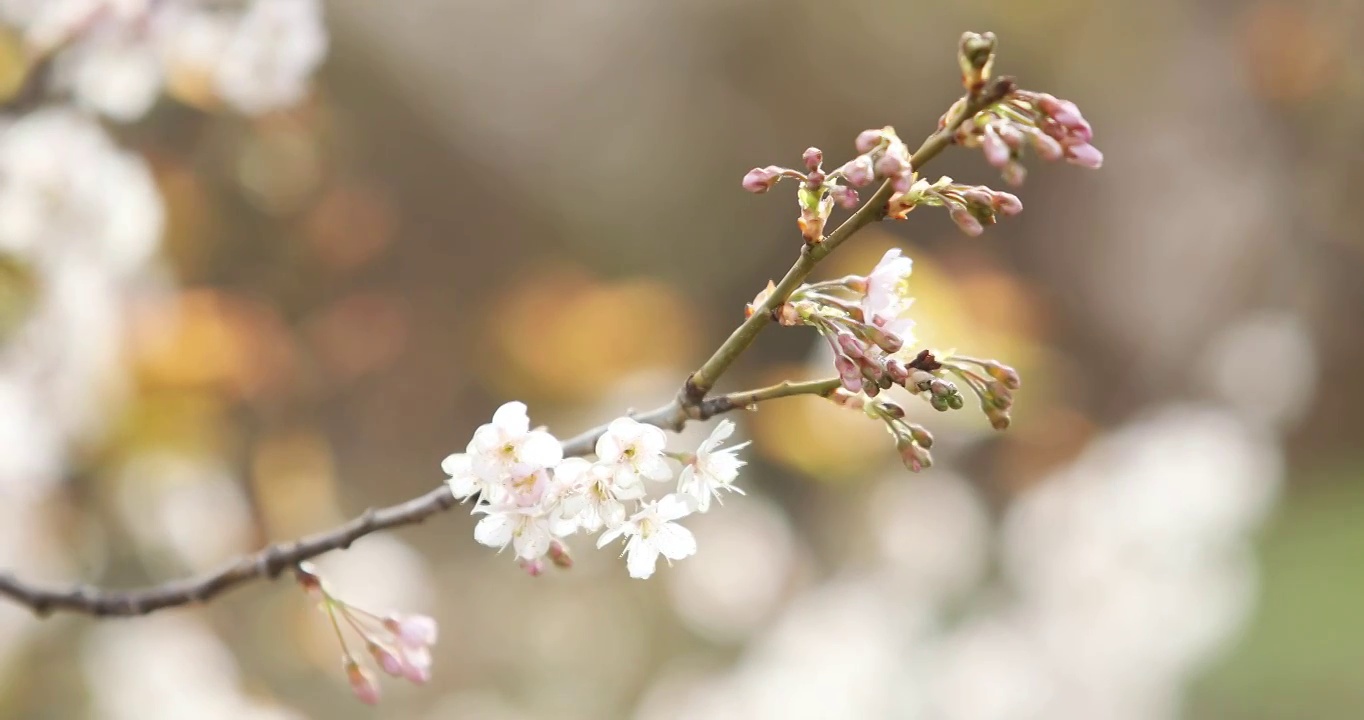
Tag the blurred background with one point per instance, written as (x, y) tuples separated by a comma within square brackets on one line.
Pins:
[(264, 264)]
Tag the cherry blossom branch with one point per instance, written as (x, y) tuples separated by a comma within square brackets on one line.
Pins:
[(280, 558), (691, 403), (874, 209)]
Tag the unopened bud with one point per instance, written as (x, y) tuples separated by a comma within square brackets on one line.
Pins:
[(868, 139), (996, 152), (558, 554), (999, 419), (845, 196), (939, 403), (920, 436), (914, 457), (1064, 112), (1084, 155), (890, 165), (859, 172), (891, 410), (1012, 136), (815, 179), (889, 342), (1007, 203), (965, 221), (812, 157), (388, 660), (1046, 146), (897, 371), (760, 180), (534, 568), (362, 682), (848, 343), (1005, 374), (975, 55), (978, 196)]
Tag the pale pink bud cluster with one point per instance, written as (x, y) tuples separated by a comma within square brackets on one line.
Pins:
[(866, 322), (1054, 129), (881, 155), (912, 441), (971, 207), (399, 644), (993, 383), (532, 497)]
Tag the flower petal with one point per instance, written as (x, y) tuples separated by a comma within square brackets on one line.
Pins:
[(672, 507), (495, 530), (541, 449), (533, 539), (511, 419), (641, 558), (674, 541), (613, 533)]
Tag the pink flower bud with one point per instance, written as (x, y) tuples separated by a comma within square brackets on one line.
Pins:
[(868, 139), (966, 221), (897, 371), (760, 180), (890, 165), (902, 183), (812, 157), (534, 568), (921, 436), (1012, 136), (845, 196), (889, 342), (558, 554), (859, 172), (914, 457), (850, 346), (1046, 146), (362, 682), (1007, 203), (996, 152), (1084, 155), (978, 196), (388, 660), (814, 179)]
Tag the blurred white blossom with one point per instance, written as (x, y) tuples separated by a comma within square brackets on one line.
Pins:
[(115, 56)]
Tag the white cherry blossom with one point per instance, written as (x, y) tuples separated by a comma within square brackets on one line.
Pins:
[(651, 533), (596, 500), (508, 448), (527, 529), (887, 300), (633, 450), (713, 469)]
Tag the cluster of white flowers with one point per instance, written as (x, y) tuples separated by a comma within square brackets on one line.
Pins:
[(115, 56), (531, 495)]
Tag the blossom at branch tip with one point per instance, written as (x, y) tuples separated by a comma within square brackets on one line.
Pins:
[(651, 532), (711, 469)]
